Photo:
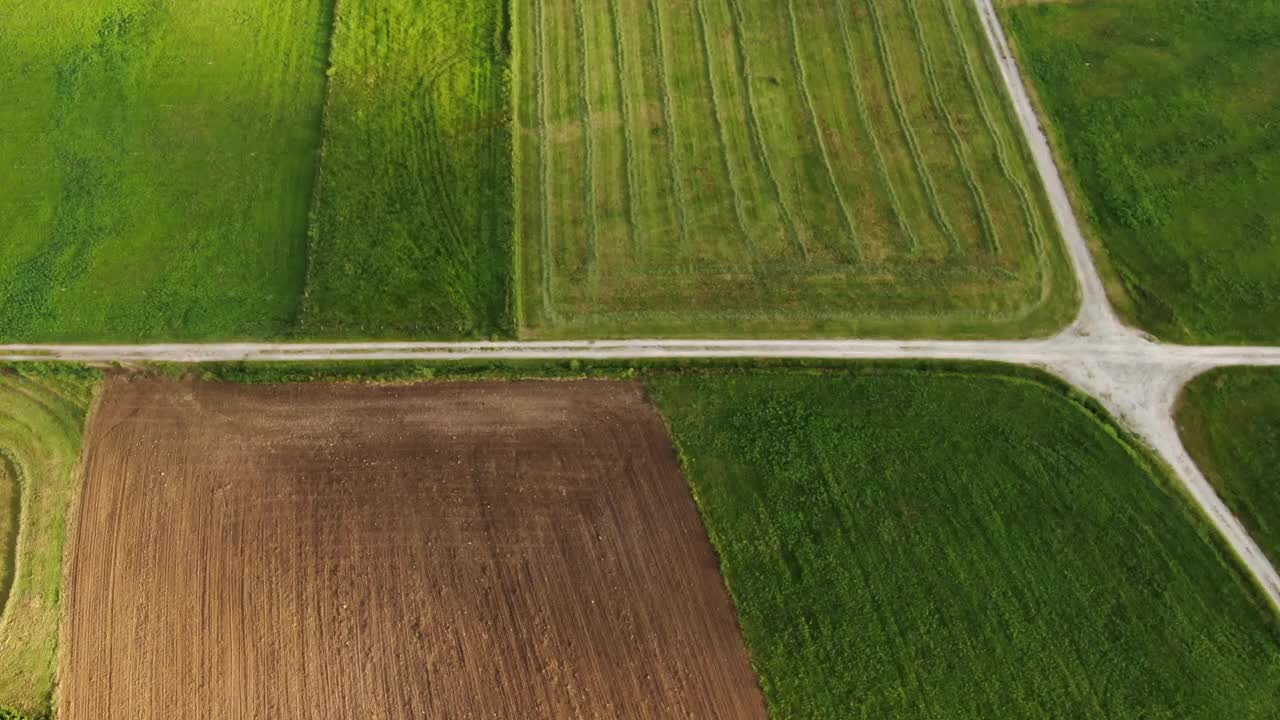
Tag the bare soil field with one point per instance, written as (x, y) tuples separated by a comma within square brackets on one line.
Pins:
[(449, 550)]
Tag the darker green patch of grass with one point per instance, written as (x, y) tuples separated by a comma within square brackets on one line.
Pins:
[(902, 544), (411, 229), (1230, 422), (1169, 116)]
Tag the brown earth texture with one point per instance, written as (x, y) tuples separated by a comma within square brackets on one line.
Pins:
[(446, 550)]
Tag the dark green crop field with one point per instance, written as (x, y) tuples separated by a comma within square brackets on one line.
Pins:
[(42, 416), (156, 160), (412, 223), (1230, 423), (797, 167), (908, 545), (1168, 115)]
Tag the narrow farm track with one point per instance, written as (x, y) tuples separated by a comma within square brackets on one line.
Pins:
[(1135, 378)]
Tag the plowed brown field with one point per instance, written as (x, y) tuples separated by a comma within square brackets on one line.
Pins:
[(466, 550)]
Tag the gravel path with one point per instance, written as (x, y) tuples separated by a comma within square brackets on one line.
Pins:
[(1138, 380)]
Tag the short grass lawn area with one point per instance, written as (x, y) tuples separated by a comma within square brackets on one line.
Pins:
[(43, 410), (1167, 114), (1230, 423), (798, 167), (906, 544)]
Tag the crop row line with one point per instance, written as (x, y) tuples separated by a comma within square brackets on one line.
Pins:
[(864, 114), (671, 136), (802, 76), (904, 123), (628, 149), (738, 212), (317, 177), (589, 184), (1001, 144), (928, 61), (757, 135), (435, 153), (540, 71)]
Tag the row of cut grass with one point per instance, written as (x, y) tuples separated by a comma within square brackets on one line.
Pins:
[(42, 415)]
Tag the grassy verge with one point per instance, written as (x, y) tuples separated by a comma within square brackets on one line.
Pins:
[(411, 230), (1165, 116), (738, 169), (902, 544), (1230, 422), (42, 414), (155, 162)]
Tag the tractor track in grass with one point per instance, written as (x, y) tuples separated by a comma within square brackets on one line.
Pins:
[(1135, 378)]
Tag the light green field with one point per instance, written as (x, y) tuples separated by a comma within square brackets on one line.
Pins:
[(156, 164), (411, 232), (904, 544), (42, 416), (1167, 114), (1230, 422), (799, 168)]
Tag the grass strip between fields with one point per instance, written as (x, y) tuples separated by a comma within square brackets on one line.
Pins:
[(43, 410)]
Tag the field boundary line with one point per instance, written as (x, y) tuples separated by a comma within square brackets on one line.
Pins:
[(803, 78), (544, 162), (928, 62), (861, 99), (739, 214), (628, 150), (671, 137), (309, 247), (757, 135), (904, 123), (593, 271)]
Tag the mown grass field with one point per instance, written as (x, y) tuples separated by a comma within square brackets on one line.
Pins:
[(156, 162), (42, 415), (734, 168), (954, 545), (1230, 423), (411, 233), (1167, 113)]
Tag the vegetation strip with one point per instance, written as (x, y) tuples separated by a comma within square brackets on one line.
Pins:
[(43, 409), (797, 64)]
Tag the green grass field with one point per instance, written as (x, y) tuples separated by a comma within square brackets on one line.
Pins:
[(911, 545), (1167, 113), (156, 161), (42, 415), (412, 223), (800, 168), (1230, 423)]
